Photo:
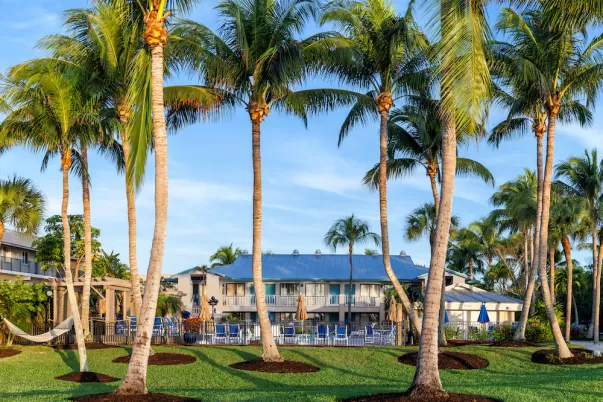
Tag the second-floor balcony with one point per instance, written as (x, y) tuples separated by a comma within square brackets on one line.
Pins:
[(310, 301), (25, 268)]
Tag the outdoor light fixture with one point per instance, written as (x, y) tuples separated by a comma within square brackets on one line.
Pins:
[(49, 293), (212, 302)]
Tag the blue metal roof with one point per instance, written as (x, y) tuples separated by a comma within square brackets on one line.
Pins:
[(309, 267)]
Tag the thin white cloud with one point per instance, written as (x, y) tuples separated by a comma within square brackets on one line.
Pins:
[(591, 137)]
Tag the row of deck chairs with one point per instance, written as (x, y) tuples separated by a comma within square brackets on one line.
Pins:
[(161, 326)]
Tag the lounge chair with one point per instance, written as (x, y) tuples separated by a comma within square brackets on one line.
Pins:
[(322, 334), (219, 334), (173, 328), (341, 334), (369, 335), (234, 333), (158, 326), (119, 328), (289, 333)]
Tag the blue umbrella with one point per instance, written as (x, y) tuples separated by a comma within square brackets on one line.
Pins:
[(445, 317), (483, 315)]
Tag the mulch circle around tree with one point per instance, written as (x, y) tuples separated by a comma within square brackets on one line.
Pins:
[(550, 356), (514, 344), (89, 346), (404, 397), (286, 367), (163, 359), (9, 352), (462, 342), (449, 360), (150, 397), (87, 377)]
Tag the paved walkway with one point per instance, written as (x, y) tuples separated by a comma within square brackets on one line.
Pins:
[(589, 345)]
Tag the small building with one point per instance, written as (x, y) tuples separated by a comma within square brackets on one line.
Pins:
[(17, 259), (324, 281)]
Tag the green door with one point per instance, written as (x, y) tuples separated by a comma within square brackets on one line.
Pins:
[(334, 294)]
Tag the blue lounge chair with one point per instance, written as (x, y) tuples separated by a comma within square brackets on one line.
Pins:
[(369, 335), (119, 328), (173, 328), (341, 334), (158, 326), (234, 333), (132, 325), (219, 334), (322, 334), (289, 334)]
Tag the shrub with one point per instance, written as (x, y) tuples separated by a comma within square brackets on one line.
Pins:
[(452, 332), (192, 325), (503, 333), (479, 334), (578, 332), (538, 332)]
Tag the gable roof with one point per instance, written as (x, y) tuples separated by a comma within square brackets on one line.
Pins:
[(16, 239), (312, 267), (463, 293)]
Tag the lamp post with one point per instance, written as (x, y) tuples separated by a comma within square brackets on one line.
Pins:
[(212, 302), (48, 304)]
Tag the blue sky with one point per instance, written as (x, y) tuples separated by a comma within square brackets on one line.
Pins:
[(308, 181)]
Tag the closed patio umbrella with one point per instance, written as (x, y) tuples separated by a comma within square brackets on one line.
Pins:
[(302, 315), (483, 315), (445, 317), (205, 314), (391, 315)]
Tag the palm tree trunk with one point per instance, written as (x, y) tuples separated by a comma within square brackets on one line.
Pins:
[(350, 288), (136, 376), (520, 333), (384, 230), (552, 272), (560, 344), (431, 172), (77, 323), (567, 250), (87, 246), (595, 267), (269, 350), (576, 318), (131, 202), (442, 317), (597, 292), (1, 231), (471, 268), (526, 264), (427, 377)]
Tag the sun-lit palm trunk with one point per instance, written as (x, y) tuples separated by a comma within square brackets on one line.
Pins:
[(552, 272), (597, 291), (567, 250), (431, 172), (385, 102), (526, 263), (131, 203), (77, 323), (427, 376), (269, 350), (87, 245), (595, 266), (520, 333), (135, 380), (560, 344), (349, 295)]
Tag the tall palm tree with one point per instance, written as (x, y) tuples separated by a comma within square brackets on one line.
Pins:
[(421, 222), (464, 87), (350, 231), (225, 255), (256, 60), (488, 233), (21, 206), (388, 64), (583, 177), (465, 253), (154, 16), (514, 64), (50, 114)]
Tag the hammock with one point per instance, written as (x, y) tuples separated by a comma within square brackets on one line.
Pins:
[(57, 331)]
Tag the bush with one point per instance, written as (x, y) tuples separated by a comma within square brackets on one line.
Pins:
[(578, 332), (193, 325), (479, 334), (538, 332), (453, 332), (503, 333)]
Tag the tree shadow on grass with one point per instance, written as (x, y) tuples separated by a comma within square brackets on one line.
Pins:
[(70, 358)]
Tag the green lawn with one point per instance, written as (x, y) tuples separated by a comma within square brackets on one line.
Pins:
[(343, 373)]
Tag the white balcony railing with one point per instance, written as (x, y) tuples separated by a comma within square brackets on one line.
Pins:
[(311, 301)]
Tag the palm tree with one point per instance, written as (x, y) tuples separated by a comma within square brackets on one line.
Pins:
[(387, 63), (168, 305), (464, 86), (488, 233), (421, 222), (349, 231), (465, 253), (225, 255), (21, 206), (255, 61), (50, 113), (415, 139), (155, 36), (582, 177)]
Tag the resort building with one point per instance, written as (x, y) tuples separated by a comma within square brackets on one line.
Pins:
[(324, 281), (17, 259)]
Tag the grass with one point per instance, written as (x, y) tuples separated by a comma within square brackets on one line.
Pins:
[(344, 372)]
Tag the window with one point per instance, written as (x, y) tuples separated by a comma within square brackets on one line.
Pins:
[(370, 290), (285, 316), (315, 289), (235, 289), (289, 289), (317, 317), (25, 257)]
